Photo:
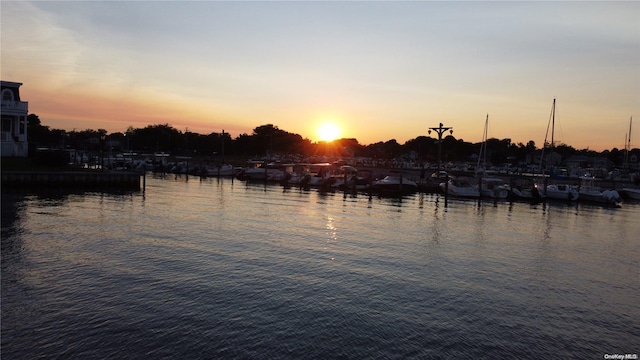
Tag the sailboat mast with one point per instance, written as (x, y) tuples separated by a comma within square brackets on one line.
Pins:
[(486, 134), (483, 147), (629, 139), (627, 145), (553, 123)]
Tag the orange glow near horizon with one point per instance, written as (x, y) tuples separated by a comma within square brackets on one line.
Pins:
[(87, 109), (82, 111)]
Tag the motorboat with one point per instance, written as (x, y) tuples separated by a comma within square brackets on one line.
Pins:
[(589, 191), (562, 192), (525, 189), (348, 177), (460, 187), (440, 175), (493, 188), (343, 176), (259, 170), (316, 175), (395, 183), (632, 193), (221, 170)]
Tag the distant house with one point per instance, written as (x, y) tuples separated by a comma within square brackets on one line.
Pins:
[(14, 121), (550, 158), (587, 162), (633, 160)]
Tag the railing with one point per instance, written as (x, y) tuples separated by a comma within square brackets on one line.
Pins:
[(15, 105)]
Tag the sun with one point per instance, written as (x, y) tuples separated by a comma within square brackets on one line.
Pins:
[(328, 132)]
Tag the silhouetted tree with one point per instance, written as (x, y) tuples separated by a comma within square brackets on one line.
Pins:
[(269, 138)]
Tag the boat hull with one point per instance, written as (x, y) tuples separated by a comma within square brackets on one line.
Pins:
[(605, 197), (395, 184), (562, 192), (527, 193), (493, 188), (261, 174), (632, 193), (224, 170), (470, 192)]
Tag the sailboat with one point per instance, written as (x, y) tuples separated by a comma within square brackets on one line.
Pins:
[(631, 192), (483, 151), (490, 187), (557, 191)]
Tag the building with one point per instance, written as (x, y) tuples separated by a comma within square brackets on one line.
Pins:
[(14, 121), (550, 158)]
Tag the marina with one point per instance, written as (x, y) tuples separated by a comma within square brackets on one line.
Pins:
[(311, 180), (199, 267), (457, 183)]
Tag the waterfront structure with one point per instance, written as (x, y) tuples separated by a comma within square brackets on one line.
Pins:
[(14, 121)]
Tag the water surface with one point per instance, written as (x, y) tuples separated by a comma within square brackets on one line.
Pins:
[(224, 269)]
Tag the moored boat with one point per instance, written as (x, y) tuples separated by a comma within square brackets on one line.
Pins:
[(493, 188), (220, 170), (632, 193), (316, 175), (525, 189), (395, 183), (558, 191), (258, 170), (460, 187), (589, 191), (562, 192), (490, 187), (348, 177)]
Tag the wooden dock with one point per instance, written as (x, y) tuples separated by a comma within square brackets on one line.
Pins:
[(72, 179)]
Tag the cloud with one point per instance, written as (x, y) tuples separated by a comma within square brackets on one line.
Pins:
[(250, 63)]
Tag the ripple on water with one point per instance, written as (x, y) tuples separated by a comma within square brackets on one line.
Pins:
[(228, 270)]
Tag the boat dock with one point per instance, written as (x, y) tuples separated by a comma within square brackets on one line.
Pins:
[(72, 179)]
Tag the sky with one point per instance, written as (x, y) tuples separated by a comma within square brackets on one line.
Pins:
[(379, 70)]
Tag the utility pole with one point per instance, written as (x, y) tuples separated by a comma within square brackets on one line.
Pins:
[(440, 130)]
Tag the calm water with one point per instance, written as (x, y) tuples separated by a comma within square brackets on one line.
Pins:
[(220, 269)]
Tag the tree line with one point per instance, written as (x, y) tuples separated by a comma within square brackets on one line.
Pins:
[(268, 140)]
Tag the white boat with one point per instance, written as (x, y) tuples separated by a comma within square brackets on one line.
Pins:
[(589, 191), (258, 170), (527, 193), (632, 193), (347, 177), (562, 192), (221, 170), (395, 183), (493, 188), (343, 175), (556, 191), (490, 187), (316, 175), (460, 187), (526, 189)]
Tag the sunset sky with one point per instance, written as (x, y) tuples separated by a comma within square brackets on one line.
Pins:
[(378, 70)]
